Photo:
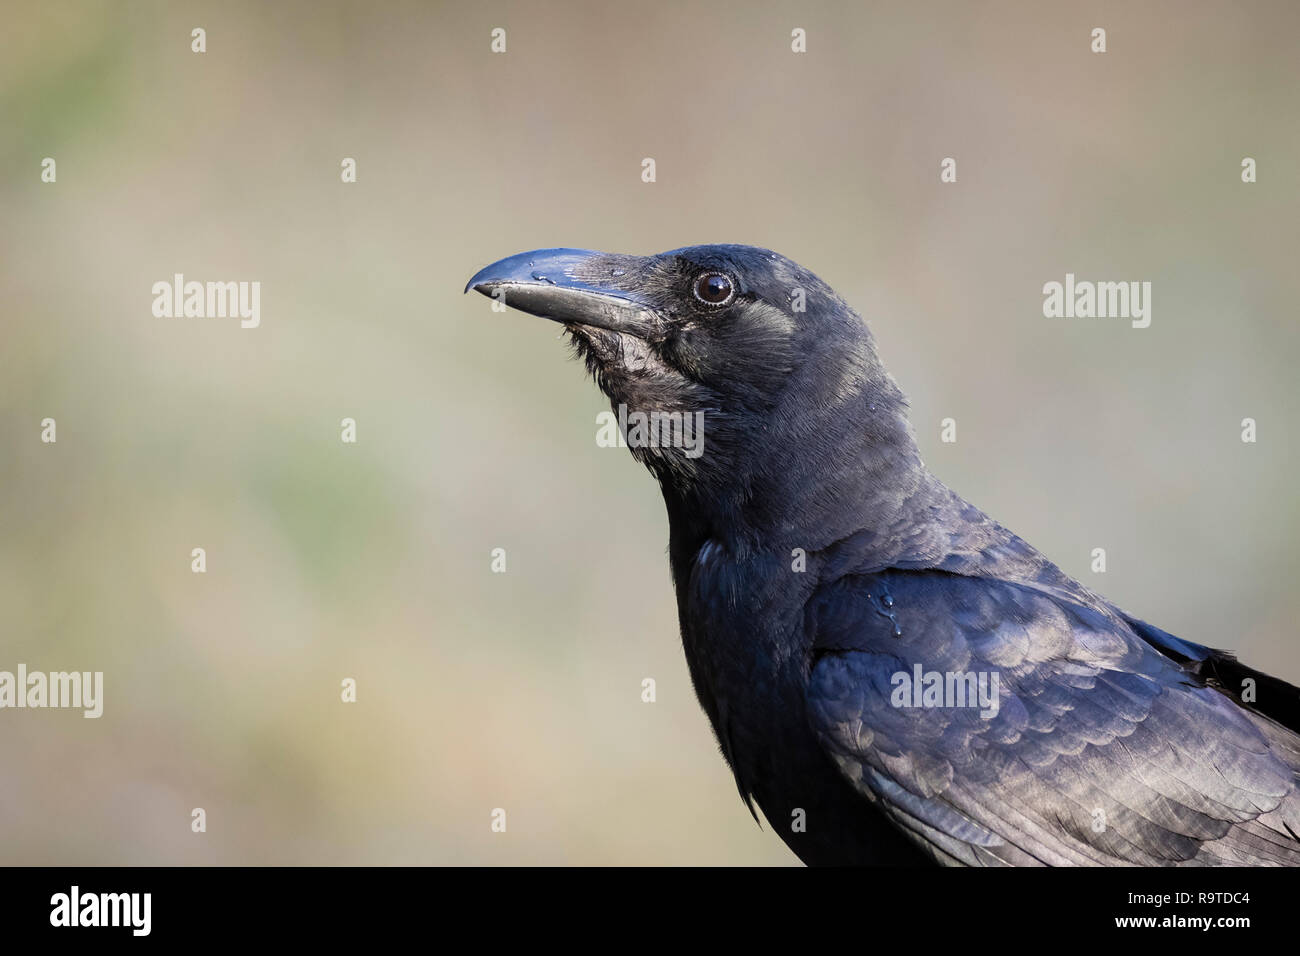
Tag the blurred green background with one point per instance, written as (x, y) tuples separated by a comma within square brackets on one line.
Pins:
[(325, 560)]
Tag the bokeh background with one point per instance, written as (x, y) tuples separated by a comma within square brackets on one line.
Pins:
[(325, 560)]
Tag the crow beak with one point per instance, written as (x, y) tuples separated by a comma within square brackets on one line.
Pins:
[(543, 282)]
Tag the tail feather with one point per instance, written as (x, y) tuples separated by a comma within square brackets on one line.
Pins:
[(1254, 690)]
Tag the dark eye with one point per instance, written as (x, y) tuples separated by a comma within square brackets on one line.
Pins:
[(714, 288)]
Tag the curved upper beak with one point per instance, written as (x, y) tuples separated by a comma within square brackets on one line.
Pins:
[(545, 282)]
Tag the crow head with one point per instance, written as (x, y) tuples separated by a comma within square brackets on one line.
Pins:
[(779, 371)]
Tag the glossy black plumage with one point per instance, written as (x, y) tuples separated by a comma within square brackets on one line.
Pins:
[(816, 559)]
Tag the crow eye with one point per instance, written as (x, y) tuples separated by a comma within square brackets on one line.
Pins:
[(714, 288)]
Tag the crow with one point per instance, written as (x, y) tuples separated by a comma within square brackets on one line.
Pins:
[(893, 677)]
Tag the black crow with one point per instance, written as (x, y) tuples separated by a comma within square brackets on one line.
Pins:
[(893, 677)]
